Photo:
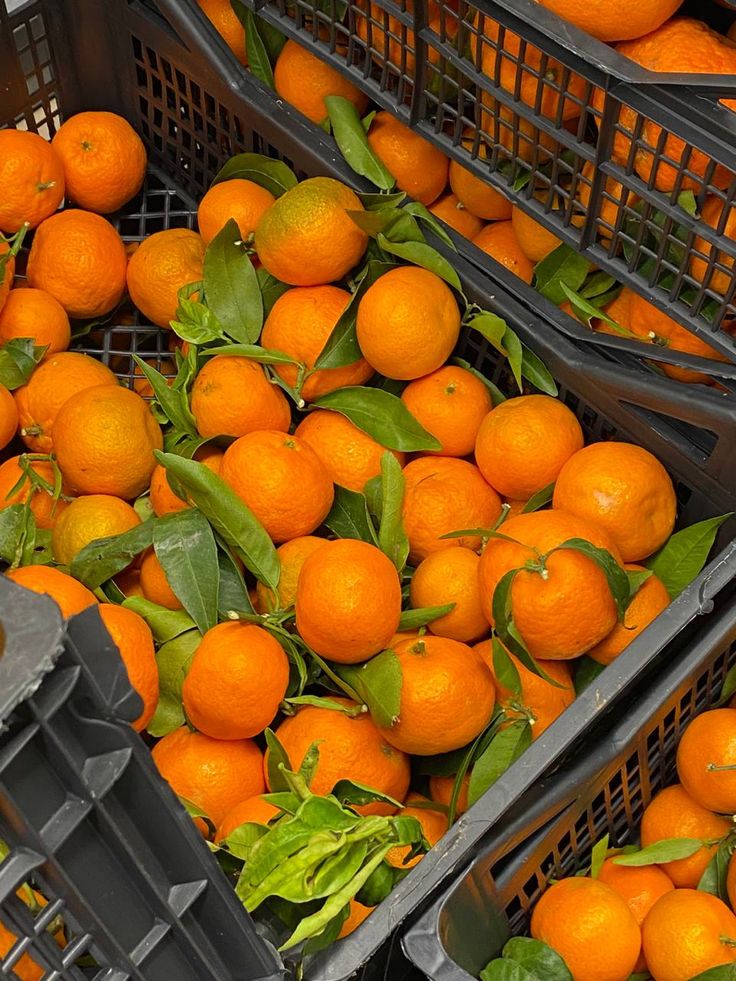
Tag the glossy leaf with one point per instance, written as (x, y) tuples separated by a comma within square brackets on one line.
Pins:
[(598, 856), (538, 958), (373, 201), (667, 850), (173, 401), (271, 289), (319, 701), (684, 555), (419, 211), (537, 373), (196, 323), (253, 352), (421, 254), (356, 794), (272, 174), (106, 557), (504, 669), (378, 684), (713, 880), (538, 500), (503, 970), (165, 624), (617, 579), (18, 360), (185, 546), (351, 138), (637, 580), (258, 61), (382, 416), (586, 671), (564, 266), (414, 619), (726, 972), (231, 286), (172, 659), (233, 594), (391, 535), (504, 749), (277, 755), (349, 518), (497, 396)]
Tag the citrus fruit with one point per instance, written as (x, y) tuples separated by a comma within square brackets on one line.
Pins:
[(712, 214), (25, 968), (292, 556), (253, 810), (299, 324), (232, 396), (154, 584), (225, 20), (104, 438), (475, 194), (408, 323), (454, 213), (357, 914), (164, 263), (434, 825), (8, 417), (163, 499), (648, 602), (307, 238), (447, 696), (616, 201), (391, 43), (104, 160), (706, 752), (348, 601), (640, 888), (85, 520), (236, 681), (36, 314), (450, 403), (625, 490), (70, 596), (686, 933), (617, 21), (524, 442), (499, 241), (213, 774), (243, 200), (535, 241), (46, 509), (32, 178), (133, 638), (80, 259), (444, 495), (419, 168), (450, 575), (440, 790), (304, 80), (281, 480)]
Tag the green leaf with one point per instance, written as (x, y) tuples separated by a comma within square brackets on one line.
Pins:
[(391, 535), (377, 201), (729, 686), (271, 289), (414, 619), (352, 793), (597, 284), (258, 61), (231, 285), (686, 200), (196, 323), (598, 856), (684, 555), (422, 255), (419, 211), (586, 672), (378, 220), (12, 532), (353, 142), (505, 627), (504, 669), (713, 880), (382, 416), (173, 401), (378, 683), (726, 972), (277, 756), (538, 958), (349, 518), (667, 850), (106, 557), (503, 750), (637, 580), (18, 360), (587, 311), (272, 174), (165, 624), (173, 660), (537, 373), (228, 515), (240, 842), (272, 38), (233, 594), (503, 970), (618, 582), (497, 396), (538, 500), (319, 701), (514, 354), (564, 266), (185, 546), (253, 352)]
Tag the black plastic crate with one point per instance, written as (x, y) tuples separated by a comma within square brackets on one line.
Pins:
[(610, 787), (193, 116)]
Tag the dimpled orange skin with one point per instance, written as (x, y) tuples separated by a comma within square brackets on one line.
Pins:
[(244, 201), (711, 215), (648, 602), (444, 495), (535, 241), (477, 195), (674, 814), (265, 468), (85, 520), (213, 774), (299, 324), (499, 241), (617, 21), (348, 601), (54, 381), (253, 810), (71, 596), (419, 168), (307, 238), (450, 403), (104, 438), (408, 323), (32, 178), (44, 508), (450, 210), (686, 933), (104, 160), (232, 396), (163, 264), (80, 259), (710, 740), (36, 314), (591, 928), (350, 748), (570, 611), (524, 442), (226, 22), (133, 638), (236, 681), (154, 585), (625, 490), (447, 696), (292, 556), (434, 825), (639, 888), (350, 456), (450, 575), (8, 417), (304, 80)]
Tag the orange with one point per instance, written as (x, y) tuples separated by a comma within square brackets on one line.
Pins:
[(350, 456), (8, 417), (133, 638), (617, 21), (391, 44), (163, 499), (515, 135), (447, 696), (25, 968), (165, 366), (408, 323), (614, 199), (647, 604), (7, 272), (32, 178), (292, 556), (444, 495), (477, 195), (226, 23), (454, 213), (45, 509), (711, 214), (639, 887), (450, 403), (544, 701), (572, 609), (686, 933), (299, 324), (450, 575), (281, 480), (674, 814), (79, 259), (70, 596), (253, 810), (154, 584), (36, 314), (357, 914), (104, 438), (213, 774), (625, 490), (590, 926), (350, 748), (440, 789), (499, 241), (104, 160), (420, 169), (129, 582), (535, 241), (245, 201), (307, 238), (303, 80), (54, 381), (524, 442), (348, 601), (165, 263), (434, 825), (85, 520), (709, 743), (232, 396)]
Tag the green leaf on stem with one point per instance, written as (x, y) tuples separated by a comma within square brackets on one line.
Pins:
[(353, 143), (414, 619), (504, 749), (106, 557), (682, 558), (349, 517), (563, 267), (231, 286), (272, 174), (391, 535), (185, 546), (18, 360), (424, 255), (378, 685), (173, 659), (667, 850), (165, 624), (382, 416)]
